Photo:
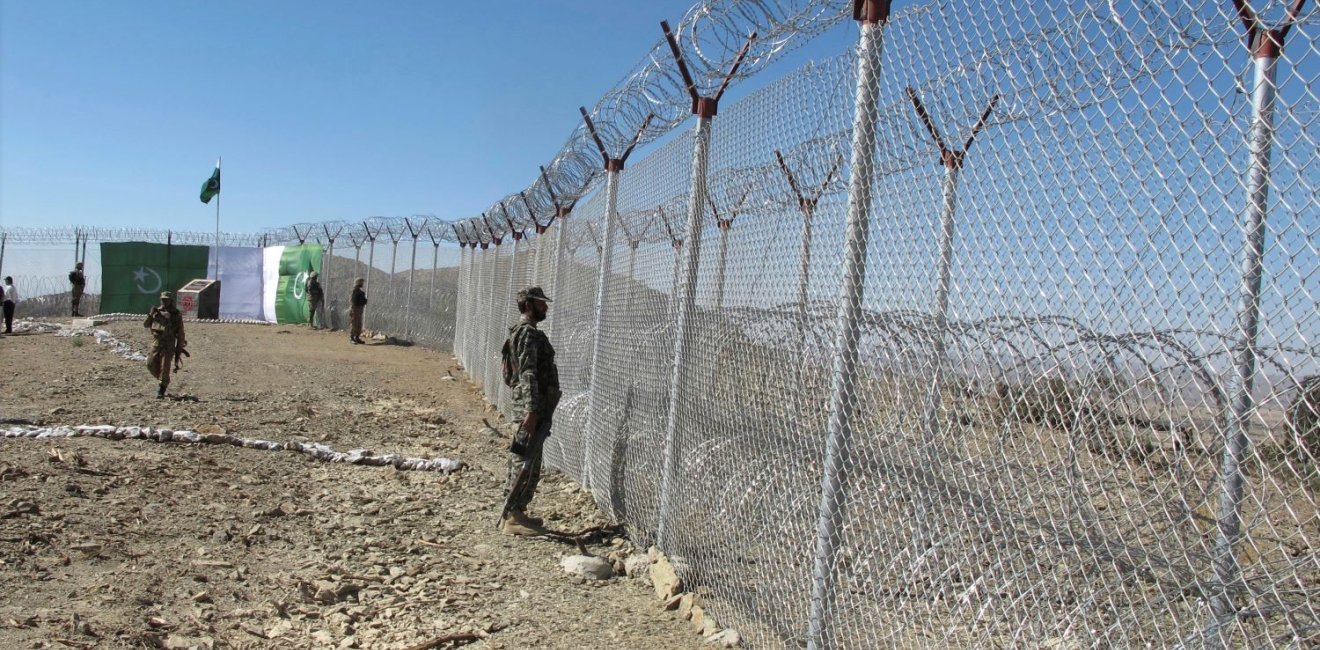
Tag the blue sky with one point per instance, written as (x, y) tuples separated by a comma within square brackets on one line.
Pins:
[(112, 114)]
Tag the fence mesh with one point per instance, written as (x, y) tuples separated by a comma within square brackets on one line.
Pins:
[(1038, 368)]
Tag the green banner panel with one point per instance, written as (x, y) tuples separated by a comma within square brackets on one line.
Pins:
[(291, 295), (134, 273)]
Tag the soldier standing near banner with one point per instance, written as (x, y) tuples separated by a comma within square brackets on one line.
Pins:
[(168, 342), (315, 301), (531, 371), (78, 282), (357, 303)]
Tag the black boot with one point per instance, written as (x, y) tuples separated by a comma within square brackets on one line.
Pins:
[(160, 394)]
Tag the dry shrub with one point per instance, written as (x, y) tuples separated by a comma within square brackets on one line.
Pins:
[(1049, 401), (1069, 408)]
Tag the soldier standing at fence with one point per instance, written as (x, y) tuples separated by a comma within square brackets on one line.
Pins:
[(357, 303), (168, 342), (530, 366), (10, 302), (77, 282), (315, 301)]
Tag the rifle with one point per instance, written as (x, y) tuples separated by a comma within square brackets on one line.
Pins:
[(508, 493), (519, 448), (179, 351)]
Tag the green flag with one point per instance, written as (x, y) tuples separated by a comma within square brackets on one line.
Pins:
[(290, 298), (212, 185), (134, 273)]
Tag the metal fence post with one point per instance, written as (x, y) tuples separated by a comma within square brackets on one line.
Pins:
[(632, 272), (807, 205), (705, 108), (470, 310), (687, 291), (469, 301), (473, 311), (394, 266), (493, 307), (561, 247), (872, 14), (677, 245), (1266, 48), (613, 168), (371, 256), (463, 324), (326, 265), (721, 265), (412, 270), (952, 161), (435, 270), (602, 294), (502, 390), (461, 289)]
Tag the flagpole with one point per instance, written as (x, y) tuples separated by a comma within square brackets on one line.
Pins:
[(217, 223)]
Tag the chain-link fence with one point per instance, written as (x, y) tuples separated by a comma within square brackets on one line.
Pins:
[(999, 330)]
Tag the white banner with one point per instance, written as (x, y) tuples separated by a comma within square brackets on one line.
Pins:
[(270, 280), (240, 281)]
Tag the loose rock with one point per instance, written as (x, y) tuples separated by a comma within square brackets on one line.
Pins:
[(586, 566), (725, 638), (664, 578), (637, 565)]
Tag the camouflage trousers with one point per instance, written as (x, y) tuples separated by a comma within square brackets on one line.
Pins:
[(75, 296), (355, 319), (159, 358), (525, 468), (316, 312)]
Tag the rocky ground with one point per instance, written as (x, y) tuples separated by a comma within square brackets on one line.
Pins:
[(135, 543)]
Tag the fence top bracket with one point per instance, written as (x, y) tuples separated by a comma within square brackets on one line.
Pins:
[(613, 164), (704, 106), (1261, 42), (871, 12), (950, 158)]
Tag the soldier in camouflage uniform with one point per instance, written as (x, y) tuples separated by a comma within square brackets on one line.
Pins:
[(315, 301), (77, 283), (535, 396), (357, 302), (167, 340)]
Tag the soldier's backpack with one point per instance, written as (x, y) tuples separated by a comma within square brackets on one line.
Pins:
[(509, 360), (508, 363)]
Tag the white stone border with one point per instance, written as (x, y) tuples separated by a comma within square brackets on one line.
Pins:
[(103, 338), (315, 450)]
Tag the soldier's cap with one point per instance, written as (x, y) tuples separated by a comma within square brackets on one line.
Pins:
[(533, 293), (312, 274), (78, 265), (165, 295)]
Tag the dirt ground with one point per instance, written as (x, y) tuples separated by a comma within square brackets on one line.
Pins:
[(133, 543)]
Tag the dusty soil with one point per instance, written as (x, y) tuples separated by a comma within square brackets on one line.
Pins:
[(131, 543)]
